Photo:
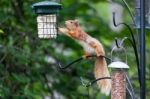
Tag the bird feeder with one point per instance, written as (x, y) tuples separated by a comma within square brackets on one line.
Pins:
[(118, 80), (47, 12)]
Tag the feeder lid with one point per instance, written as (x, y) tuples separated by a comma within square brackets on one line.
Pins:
[(118, 64), (46, 7)]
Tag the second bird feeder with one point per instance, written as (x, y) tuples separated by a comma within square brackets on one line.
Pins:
[(47, 12)]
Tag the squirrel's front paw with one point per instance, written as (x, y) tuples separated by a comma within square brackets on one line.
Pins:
[(63, 30)]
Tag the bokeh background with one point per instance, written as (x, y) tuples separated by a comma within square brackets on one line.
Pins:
[(28, 65)]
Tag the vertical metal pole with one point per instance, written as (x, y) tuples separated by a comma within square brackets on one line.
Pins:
[(137, 12), (142, 47)]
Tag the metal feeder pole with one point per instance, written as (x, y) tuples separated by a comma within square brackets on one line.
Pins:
[(142, 47), (141, 25)]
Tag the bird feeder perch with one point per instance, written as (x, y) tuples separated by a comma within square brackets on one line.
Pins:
[(47, 12)]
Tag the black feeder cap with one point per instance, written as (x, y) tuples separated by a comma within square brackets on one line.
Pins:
[(46, 7)]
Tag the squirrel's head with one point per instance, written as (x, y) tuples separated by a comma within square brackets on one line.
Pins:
[(72, 24)]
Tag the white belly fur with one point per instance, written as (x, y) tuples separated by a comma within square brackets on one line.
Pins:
[(86, 47)]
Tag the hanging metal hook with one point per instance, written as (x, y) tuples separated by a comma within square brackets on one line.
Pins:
[(79, 59), (92, 82), (119, 47), (117, 44), (121, 43), (70, 64), (87, 85), (130, 30), (129, 10), (133, 43)]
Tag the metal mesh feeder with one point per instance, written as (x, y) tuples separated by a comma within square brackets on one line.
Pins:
[(47, 12)]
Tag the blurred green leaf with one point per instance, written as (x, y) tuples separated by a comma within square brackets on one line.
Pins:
[(20, 78), (1, 31)]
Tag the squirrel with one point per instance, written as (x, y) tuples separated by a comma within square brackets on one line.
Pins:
[(90, 46)]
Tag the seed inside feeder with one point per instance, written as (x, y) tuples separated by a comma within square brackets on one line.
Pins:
[(47, 26)]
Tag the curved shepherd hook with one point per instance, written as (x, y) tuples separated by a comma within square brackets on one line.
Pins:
[(129, 10), (70, 64), (133, 43), (87, 85), (92, 82), (77, 60)]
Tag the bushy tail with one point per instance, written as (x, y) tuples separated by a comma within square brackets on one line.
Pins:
[(100, 71)]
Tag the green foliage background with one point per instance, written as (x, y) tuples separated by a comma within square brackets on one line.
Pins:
[(25, 69)]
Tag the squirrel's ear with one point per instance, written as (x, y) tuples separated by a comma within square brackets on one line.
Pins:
[(76, 22)]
